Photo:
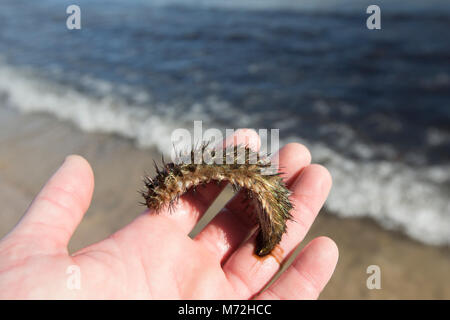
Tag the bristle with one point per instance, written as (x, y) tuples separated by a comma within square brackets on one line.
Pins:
[(266, 194)]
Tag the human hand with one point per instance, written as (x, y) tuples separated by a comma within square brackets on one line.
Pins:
[(153, 257)]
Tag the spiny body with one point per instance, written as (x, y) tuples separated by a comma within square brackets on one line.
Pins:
[(242, 168)]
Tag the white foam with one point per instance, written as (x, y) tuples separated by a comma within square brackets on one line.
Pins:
[(394, 194), (26, 92)]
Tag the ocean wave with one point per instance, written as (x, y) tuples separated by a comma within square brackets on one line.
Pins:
[(25, 91), (396, 195)]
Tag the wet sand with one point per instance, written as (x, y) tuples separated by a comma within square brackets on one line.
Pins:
[(33, 146)]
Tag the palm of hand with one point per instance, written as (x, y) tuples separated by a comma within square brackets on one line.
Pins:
[(153, 257)]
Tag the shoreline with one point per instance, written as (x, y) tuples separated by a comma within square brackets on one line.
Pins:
[(34, 145)]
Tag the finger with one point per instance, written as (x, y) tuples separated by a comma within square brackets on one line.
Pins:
[(193, 204), (308, 274), (59, 207), (247, 271), (232, 225)]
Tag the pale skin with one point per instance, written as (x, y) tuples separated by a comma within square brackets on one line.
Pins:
[(153, 257)]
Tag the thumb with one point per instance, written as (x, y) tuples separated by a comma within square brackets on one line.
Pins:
[(54, 214)]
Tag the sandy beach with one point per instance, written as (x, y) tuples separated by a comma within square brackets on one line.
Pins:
[(34, 145)]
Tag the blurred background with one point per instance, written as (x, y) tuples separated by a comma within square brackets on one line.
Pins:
[(372, 105)]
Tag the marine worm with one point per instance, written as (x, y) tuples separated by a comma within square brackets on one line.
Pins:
[(266, 193)]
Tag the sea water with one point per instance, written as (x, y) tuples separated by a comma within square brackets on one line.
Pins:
[(372, 105)]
